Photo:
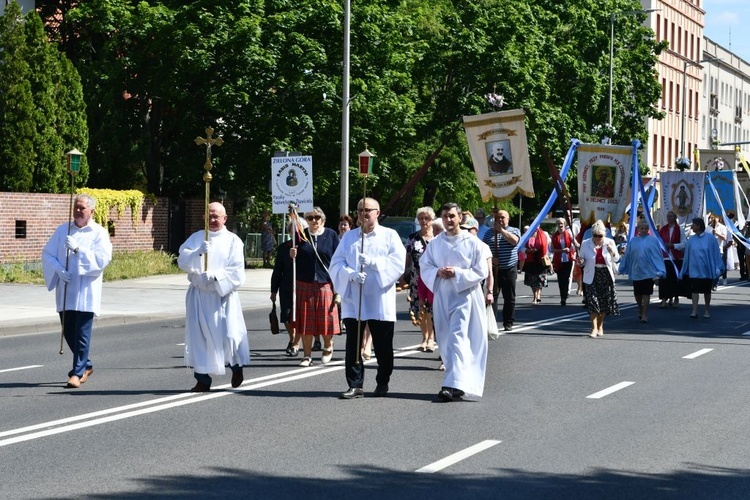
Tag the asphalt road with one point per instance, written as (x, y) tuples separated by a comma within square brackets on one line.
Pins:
[(653, 410)]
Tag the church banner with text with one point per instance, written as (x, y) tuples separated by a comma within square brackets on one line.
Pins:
[(604, 182), (500, 153)]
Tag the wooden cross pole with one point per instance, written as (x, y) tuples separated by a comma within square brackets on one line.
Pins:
[(208, 141)]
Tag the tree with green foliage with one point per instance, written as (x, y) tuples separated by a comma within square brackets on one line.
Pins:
[(42, 106), (156, 74)]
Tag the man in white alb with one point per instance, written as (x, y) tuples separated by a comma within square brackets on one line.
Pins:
[(453, 266), (215, 332), (365, 271)]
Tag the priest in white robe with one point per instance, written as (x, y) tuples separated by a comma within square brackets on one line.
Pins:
[(453, 266), (215, 331)]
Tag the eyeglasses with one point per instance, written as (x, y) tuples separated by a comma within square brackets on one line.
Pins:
[(598, 236), (365, 210), (313, 217)]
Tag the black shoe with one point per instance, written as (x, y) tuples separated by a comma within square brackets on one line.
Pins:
[(289, 348), (446, 394), (562, 302), (316, 346), (201, 387), (508, 327), (237, 378), (381, 391), (352, 393), (458, 393)]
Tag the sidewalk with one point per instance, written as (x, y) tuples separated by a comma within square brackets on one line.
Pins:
[(31, 308)]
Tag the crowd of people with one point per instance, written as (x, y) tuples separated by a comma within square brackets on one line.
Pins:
[(458, 266)]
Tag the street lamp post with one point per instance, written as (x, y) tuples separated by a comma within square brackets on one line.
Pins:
[(685, 65), (344, 198), (612, 49)]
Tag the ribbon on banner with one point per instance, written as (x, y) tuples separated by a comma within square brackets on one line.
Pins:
[(736, 233), (574, 143)]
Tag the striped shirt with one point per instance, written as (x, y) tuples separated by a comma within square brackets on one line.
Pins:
[(505, 253)]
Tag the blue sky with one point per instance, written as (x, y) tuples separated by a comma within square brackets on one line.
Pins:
[(729, 21)]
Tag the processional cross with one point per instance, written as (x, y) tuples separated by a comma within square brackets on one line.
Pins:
[(208, 141)]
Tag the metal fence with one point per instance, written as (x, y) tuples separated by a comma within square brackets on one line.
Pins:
[(253, 248)]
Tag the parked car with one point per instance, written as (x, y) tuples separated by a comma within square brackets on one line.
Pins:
[(404, 226)]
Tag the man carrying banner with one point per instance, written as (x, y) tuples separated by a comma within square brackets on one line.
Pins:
[(503, 243), (673, 237)]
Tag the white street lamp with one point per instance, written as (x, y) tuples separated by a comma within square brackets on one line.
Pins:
[(344, 197), (612, 49), (685, 65)]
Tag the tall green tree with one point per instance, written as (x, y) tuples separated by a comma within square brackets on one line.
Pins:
[(17, 128), (42, 107), (158, 73)]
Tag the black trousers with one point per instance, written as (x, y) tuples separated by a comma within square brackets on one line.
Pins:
[(505, 283), (382, 343), (563, 279)]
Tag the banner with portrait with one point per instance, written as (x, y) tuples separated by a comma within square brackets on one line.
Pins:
[(604, 182), (500, 154), (682, 193), (726, 188), (291, 183)]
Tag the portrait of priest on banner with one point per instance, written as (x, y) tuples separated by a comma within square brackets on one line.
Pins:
[(499, 158)]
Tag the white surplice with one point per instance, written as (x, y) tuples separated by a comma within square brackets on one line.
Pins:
[(458, 309), (215, 331)]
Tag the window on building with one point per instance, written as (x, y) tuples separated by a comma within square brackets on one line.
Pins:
[(671, 96), (661, 153), (679, 40), (663, 93), (703, 127), (20, 229), (658, 28), (677, 98), (655, 152)]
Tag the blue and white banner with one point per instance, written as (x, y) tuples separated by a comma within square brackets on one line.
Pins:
[(682, 193), (726, 187)]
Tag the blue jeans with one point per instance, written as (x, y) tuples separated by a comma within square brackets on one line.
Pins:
[(77, 331)]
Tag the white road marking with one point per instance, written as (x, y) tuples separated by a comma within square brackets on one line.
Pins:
[(697, 353), (173, 401), (746, 333), (20, 368), (457, 457), (610, 390)]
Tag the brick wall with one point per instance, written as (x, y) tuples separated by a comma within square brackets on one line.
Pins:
[(42, 213)]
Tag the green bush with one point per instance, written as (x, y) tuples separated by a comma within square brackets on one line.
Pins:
[(124, 265)]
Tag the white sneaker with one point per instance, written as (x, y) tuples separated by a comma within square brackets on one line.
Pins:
[(306, 362)]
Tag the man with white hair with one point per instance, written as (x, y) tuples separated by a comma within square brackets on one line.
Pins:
[(215, 332), (73, 262)]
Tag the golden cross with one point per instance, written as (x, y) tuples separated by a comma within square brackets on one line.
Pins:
[(209, 141)]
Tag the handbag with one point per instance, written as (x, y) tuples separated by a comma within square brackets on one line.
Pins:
[(546, 261), (274, 320), (493, 332)]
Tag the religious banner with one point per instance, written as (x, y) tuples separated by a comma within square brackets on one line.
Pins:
[(682, 193), (500, 153), (291, 183), (604, 182), (711, 160), (726, 187)]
